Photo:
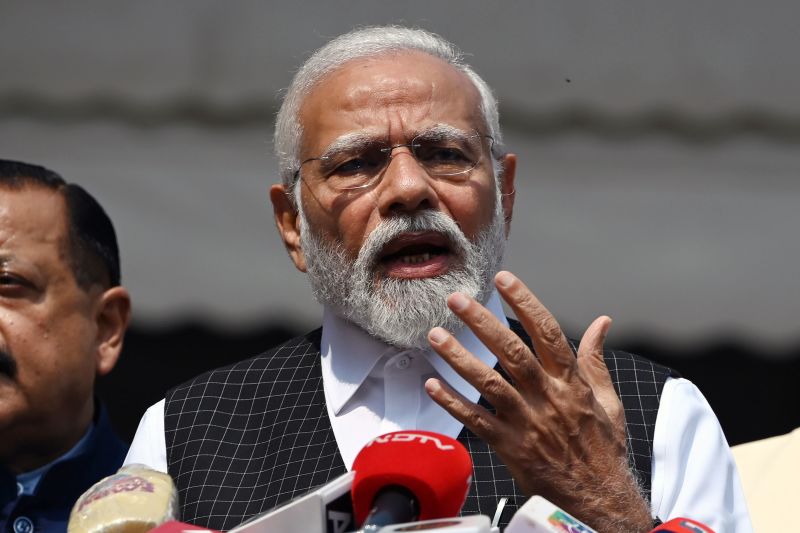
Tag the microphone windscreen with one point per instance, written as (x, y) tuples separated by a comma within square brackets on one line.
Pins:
[(435, 468), (134, 500)]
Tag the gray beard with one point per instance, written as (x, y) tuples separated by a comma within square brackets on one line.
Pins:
[(399, 311)]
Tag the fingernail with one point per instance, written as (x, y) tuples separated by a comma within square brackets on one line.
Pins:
[(437, 335), (607, 327), (504, 279), (432, 385), (458, 302)]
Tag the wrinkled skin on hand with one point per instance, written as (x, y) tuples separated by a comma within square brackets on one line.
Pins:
[(560, 427)]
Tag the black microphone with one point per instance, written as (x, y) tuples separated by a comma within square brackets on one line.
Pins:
[(392, 505)]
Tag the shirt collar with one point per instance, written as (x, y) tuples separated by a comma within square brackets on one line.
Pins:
[(349, 354)]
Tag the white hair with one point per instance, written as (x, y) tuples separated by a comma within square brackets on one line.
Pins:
[(358, 44)]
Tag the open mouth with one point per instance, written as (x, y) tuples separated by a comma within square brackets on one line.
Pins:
[(416, 255)]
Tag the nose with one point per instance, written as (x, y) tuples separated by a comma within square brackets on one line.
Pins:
[(405, 186)]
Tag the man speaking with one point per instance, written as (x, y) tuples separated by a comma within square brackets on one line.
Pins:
[(396, 199)]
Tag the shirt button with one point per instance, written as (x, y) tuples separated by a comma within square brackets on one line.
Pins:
[(20, 489), (23, 524), (403, 362)]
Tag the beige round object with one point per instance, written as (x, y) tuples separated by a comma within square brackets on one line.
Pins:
[(134, 500)]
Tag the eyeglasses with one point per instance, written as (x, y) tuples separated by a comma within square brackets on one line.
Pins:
[(358, 162)]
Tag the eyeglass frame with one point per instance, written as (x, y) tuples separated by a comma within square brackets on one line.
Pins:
[(390, 151)]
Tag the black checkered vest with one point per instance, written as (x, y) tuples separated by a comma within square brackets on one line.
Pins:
[(247, 437)]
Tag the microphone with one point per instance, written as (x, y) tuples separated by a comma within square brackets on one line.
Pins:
[(405, 476), (132, 500), (682, 525), (538, 515)]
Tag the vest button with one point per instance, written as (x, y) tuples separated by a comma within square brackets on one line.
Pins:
[(23, 524)]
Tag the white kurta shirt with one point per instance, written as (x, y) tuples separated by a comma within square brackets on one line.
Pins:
[(372, 388)]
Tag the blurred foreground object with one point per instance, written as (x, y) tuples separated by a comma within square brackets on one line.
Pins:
[(135, 499), (769, 469)]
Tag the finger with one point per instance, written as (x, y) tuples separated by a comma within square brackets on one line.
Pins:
[(475, 417), (497, 391), (592, 366), (513, 354), (549, 341), (590, 352)]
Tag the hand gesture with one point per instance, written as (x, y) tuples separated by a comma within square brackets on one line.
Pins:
[(560, 426)]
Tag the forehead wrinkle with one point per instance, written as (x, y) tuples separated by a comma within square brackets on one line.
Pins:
[(388, 92), (398, 103), (30, 232)]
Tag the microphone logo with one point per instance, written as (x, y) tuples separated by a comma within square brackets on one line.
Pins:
[(410, 437), (564, 522), (121, 482)]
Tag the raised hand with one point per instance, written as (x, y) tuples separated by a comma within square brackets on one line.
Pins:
[(559, 427)]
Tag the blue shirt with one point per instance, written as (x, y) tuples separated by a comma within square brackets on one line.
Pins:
[(41, 501)]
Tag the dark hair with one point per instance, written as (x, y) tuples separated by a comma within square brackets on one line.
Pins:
[(93, 250)]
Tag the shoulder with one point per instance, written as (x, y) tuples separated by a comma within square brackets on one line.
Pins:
[(293, 354)]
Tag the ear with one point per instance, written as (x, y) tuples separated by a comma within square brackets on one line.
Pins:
[(113, 315), (288, 222), (507, 191)]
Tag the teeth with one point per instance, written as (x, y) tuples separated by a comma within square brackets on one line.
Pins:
[(415, 259)]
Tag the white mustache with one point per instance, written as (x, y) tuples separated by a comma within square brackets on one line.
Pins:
[(390, 229)]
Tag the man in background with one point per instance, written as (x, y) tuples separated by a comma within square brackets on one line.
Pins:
[(396, 199), (63, 315)]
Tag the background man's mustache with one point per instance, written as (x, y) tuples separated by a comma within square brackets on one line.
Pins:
[(8, 365)]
